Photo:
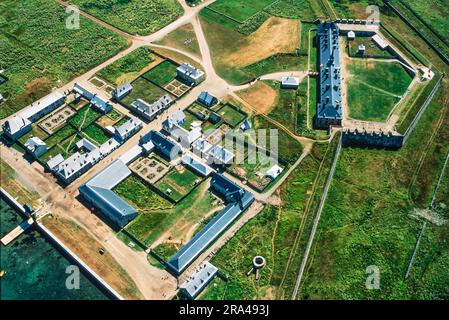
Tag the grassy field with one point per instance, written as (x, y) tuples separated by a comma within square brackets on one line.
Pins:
[(231, 115), (177, 221), (10, 183), (140, 196), (133, 16), (162, 74), (180, 182), (238, 63), (41, 53), (84, 117), (371, 49), (128, 67), (374, 87), (285, 107), (239, 10), (289, 148), (366, 220), (435, 14), (145, 90), (183, 38), (273, 234), (96, 134)]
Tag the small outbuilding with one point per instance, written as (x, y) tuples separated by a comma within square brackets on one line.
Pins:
[(351, 35), (289, 83), (35, 146)]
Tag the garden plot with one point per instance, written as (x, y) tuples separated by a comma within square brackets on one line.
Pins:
[(201, 112), (51, 123), (110, 118), (177, 88), (231, 115), (150, 169), (178, 182), (163, 74)]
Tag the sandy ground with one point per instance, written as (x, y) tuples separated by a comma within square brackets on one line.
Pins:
[(274, 36), (261, 96)]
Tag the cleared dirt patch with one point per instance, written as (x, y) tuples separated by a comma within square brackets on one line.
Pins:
[(260, 96), (274, 36)]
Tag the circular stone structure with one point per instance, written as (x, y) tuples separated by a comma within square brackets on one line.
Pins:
[(259, 262)]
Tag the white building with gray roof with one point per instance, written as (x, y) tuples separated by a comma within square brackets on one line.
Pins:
[(149, 111), (35, 146), (190, 75)]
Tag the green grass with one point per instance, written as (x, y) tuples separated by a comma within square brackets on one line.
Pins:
[(128, 67), (151, 224), (140, 196), (435, 14), (365, 220), (133, 16), (162, 74), (285, 107), (371, 49), (145, 90), (374, 88), (60, 135), (275, 63), (367, 103), (166, 250), (183, 38), (179, 182), (39, 53), (95, 133), (289, 149), (84, 117), (231, 115), (272, 234), (239, 10)]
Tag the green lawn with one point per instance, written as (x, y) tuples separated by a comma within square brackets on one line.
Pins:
[(285, 108), (60, 135), (374, 87), (84, 117), (272, 234), (162, 74), (133, 16), (365, 220), (179, 182), (96, 134), (128, 67), (231, 115), (139, 195), (238, 9), (183, 38), (152, 223), (39, 53), (145, 90)]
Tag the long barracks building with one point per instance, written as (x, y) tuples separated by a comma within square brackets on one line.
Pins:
[(329, 106)]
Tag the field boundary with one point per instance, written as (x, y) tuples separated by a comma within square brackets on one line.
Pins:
[(422, 109)]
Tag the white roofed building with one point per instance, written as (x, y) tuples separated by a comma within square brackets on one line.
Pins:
[(35, 146), (189, 74)]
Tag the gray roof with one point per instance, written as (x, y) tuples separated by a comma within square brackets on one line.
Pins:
[(290, 81), (161, 142), (196, 164), (128, 128), (330, 101), (98, 190), (196, 283), (215, 227), (55, 161), (221, 155)]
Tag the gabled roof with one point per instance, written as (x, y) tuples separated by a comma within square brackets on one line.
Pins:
[(221, 155), (98, 190), (15, 124), (197, 165), (195, 284), (206, 98)]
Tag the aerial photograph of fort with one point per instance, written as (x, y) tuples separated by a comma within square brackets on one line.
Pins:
[(218, 150)]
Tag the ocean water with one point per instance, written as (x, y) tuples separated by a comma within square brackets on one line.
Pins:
[(34, 268)]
